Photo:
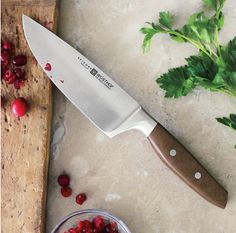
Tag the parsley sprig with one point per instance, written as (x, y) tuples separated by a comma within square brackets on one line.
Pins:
[(228, 121), (213, 68), (200, 30)]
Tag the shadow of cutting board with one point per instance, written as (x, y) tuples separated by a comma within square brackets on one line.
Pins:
[(25, 141)]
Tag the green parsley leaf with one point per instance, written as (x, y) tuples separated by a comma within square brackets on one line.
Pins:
[(195, 17), (230, 122), (201, 66), (176, 82), (214, 4), (149, 33), (227, 58), (233, 117), (220, 21), (166, 19), (200, 28), (211, 3)]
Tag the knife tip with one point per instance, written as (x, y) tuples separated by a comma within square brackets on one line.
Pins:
[(24, 18)]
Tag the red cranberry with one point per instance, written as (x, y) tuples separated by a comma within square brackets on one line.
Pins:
[(72, 230), (3, 70), (80, 226), (7, 45), (110, 228), (97, 231), (9, 77), (89, 231), (19, 60), (48, 67), (19, 107), (20, 73), (12, 79), (66, 191), (19, 83), (7, 74), (84, 225), (113, 225), (63, 180), (5, 57), (81, 198), (98, 222)]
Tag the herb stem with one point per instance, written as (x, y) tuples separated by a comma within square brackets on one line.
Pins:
[(199, 46), (231, 93), (219, 9), (217, 42)]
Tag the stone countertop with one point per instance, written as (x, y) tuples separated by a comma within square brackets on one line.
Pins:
[(123, 175)]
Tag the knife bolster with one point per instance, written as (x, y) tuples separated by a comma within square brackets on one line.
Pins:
[(139, 120)]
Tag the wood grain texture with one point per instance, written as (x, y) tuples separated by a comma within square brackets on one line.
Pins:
[(184, 165), (25, 141)]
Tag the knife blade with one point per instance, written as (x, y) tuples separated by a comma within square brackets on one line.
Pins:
[(111, 109)]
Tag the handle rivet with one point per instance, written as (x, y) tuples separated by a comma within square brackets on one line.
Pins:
[(197, 175), (173, 152)]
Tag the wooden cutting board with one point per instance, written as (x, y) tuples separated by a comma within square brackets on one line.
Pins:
[(25, 141)]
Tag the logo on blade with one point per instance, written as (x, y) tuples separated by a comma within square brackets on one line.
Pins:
[(95, 73)]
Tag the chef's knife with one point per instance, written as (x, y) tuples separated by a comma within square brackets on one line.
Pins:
[(111, 109)]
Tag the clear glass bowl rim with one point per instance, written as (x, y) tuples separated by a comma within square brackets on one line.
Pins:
[(103, 213)]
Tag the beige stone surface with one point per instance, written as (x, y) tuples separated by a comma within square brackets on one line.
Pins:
[(123, 175)]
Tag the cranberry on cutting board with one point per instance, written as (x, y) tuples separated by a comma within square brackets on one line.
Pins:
[(19, 107), (6, 45), (19, 60)]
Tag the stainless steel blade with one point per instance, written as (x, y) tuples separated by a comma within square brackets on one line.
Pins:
[(95, 94)]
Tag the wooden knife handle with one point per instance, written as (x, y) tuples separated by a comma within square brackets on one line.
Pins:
[(182, 163)]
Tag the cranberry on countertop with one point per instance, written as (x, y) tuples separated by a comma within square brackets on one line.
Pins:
[(19, 107), (19, 60), (66, 191), (63, 180), (81, 198)]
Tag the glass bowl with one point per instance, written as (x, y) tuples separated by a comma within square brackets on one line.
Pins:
[(89, 214)]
